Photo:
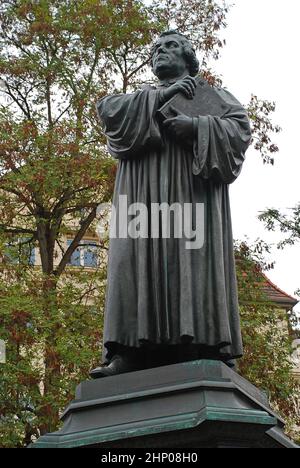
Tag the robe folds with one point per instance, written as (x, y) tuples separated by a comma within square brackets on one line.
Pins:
[(158, 291)]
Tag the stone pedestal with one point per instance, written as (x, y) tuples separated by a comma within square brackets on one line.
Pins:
[(198, 404)]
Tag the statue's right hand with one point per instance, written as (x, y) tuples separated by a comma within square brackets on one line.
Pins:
[(186, 86)]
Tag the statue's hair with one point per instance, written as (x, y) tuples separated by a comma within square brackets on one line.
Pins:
[(188, 51)]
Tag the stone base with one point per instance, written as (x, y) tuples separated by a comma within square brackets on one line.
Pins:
[(198, 404)]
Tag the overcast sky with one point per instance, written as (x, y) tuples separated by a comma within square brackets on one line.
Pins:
[(262, 57)]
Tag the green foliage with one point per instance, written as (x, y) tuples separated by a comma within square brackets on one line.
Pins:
[(287, 224), (54, 171), (267, 339), (262, 128), (68, 338)]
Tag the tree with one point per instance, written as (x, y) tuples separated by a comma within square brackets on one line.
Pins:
[(53, 167), (263, 128), (289, 225), (31, 392), (56, 59), (267, 339)]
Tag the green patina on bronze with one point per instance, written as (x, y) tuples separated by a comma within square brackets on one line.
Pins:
[(151, 406)]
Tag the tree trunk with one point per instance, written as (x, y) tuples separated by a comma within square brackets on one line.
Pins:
[(49, 412)]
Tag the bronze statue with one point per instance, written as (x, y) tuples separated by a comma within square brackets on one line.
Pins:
[(165, 302)]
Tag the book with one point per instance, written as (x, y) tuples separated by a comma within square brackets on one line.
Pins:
[(206, 101)]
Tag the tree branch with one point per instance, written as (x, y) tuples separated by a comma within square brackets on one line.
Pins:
[(93, 67), (138, 68), (61, 114), (71, 249), (14, 98), (16, 230), (20, 195)]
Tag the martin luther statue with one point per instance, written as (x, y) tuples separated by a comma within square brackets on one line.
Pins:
[(167, 303)]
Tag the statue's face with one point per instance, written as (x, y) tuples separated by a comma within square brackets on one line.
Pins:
[(168, 58)]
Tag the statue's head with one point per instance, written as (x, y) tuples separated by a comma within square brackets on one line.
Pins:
[(172, 55)]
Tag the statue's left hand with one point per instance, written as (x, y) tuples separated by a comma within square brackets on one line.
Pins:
[(181, 126)]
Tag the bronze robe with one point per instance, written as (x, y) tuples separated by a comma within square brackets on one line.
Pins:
[(158, 291)]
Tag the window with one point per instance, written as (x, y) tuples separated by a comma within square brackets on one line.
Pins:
[(85, 255), (18, 251)]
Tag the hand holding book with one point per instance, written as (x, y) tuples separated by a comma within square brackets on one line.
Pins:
[(186, 86), (180, 125), (192, 97)]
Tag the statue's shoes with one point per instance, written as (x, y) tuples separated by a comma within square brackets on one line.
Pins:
[(231, 363), (118, 365)]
